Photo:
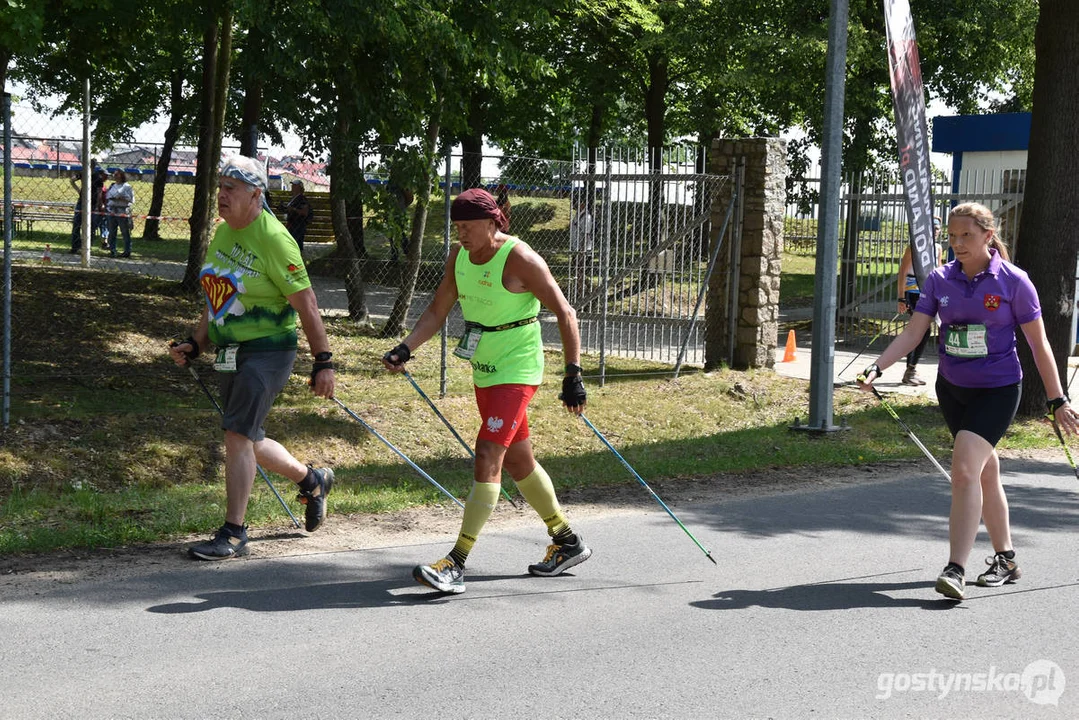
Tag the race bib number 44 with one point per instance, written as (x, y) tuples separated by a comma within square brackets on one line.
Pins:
[(965, 341)]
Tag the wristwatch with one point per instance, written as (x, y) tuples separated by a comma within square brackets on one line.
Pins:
[(323, 356), (572, 369)]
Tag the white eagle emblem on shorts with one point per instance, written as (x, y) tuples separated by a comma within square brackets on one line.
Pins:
[(494, 424)]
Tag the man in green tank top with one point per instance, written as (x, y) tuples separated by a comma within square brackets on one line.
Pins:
[(501, 283)]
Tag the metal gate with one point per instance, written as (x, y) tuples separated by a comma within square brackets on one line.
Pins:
[(638, 251)]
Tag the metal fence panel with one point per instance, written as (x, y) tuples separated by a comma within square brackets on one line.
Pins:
[(637, 281), (627, 246), (874, 234)]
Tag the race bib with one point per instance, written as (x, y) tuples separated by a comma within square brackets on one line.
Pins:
[(965, 341), (226, 359), (466, 348)]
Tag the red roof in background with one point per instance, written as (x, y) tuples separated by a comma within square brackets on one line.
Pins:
[(43, 152), (312, 173)]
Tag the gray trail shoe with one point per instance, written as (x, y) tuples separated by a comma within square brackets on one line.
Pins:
[(445, 576), (1001, 570), (951, 582), (560, 558), (222, 546)]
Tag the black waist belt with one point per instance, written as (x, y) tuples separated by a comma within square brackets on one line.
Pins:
[(507, 326)]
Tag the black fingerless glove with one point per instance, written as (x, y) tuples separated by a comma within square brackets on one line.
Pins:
[(318, 367), (195, 351), (401, 351), (1056, 403), (874, 368), (573, 393)]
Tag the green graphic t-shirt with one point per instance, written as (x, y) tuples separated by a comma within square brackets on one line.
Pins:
[(247, 276)]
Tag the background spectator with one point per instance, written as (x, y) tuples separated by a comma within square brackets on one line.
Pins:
[(120, 198), (297, 213)]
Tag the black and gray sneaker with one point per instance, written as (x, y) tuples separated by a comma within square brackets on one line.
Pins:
[(445, 576), (224, 545), (1001, 570), (951, 582), (315, 500), (560, 558)]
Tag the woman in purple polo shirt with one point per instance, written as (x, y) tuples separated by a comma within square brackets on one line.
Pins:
[(981, 299)]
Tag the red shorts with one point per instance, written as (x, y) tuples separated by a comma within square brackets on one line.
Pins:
[(503, 412)]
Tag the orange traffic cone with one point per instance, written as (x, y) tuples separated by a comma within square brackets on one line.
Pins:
[(788, 354), (47, 256)]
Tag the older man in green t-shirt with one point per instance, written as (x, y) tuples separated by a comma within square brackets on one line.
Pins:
[(255, 285)]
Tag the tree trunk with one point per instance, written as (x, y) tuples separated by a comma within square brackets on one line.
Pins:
[(395, 325), (655, 108), (249, 123), (655, 100), (221, 96), (595, 135), (5, 60), (217, 47), (161, 178), (254, 56), (471, 161), (346, 206), (472, 141), (1047, 244), (200, 204), (848, 260)]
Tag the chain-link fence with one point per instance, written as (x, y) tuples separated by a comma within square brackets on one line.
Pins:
[(626, 239)]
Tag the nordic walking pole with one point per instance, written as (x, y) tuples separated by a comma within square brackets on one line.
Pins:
[(1064, 445), (646, 487), (446, 422), (400, 454), (910, 433), (867, 345), (195, 374)]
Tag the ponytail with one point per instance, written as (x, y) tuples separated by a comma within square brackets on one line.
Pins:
[(995, 242)]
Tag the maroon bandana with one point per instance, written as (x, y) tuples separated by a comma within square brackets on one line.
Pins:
[(477, 204)]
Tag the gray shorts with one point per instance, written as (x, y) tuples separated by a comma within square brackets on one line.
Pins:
[(248, 394)]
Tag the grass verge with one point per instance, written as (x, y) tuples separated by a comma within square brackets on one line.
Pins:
[(111, 444)]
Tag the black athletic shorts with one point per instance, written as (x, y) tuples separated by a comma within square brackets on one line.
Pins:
[(986, 412), (248, 394)]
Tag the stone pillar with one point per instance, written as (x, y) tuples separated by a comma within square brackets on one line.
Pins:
[(763, 206)]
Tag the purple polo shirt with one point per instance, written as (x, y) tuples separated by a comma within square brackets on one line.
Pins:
[(1001, 298)]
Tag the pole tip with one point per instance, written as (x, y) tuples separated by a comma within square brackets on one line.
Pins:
[(709, 556)]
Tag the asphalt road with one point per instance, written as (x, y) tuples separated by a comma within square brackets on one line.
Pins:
[(821, 606)]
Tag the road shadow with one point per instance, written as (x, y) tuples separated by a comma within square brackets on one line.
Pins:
[(831, 595), (916, 505), (398, 591), (378, 593), (842, 595)]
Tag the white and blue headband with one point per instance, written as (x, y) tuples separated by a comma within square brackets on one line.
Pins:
[(248, 177)]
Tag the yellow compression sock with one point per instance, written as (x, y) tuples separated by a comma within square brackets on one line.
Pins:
[(481, 501), (538, 490)]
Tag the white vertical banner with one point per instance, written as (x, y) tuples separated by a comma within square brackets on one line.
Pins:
[(912, 136)]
